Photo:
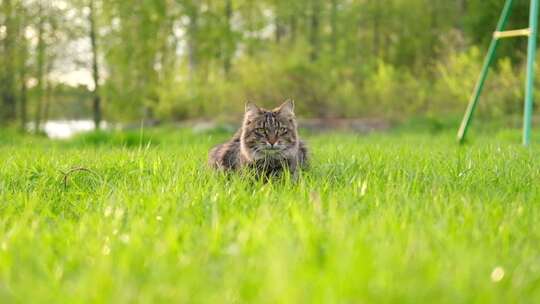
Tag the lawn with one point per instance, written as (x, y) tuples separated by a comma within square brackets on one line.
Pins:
[(391, 218)]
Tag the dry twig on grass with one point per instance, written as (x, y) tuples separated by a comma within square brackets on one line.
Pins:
[(73, 170)]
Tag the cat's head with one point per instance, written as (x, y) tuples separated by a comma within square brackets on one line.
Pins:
[(269, 133)]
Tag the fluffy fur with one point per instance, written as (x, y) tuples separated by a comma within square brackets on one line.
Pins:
[(268, 142)]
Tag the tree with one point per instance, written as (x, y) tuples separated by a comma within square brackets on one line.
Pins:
[(334, 25), (314, 29), (41, 49), (96, 98), (192, 12), (8, 80), (22, 65), (228, 45)]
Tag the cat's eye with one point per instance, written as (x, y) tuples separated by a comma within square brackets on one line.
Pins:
[(259, 131), (283, 130)]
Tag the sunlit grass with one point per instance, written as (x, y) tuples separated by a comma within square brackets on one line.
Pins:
[(385, 218)]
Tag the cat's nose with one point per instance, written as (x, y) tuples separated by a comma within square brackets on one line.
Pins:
[(272, 140)]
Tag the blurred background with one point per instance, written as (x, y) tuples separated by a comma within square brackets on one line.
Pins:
[(102, 63)]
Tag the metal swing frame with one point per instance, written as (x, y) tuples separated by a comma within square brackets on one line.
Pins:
[(500, 33)]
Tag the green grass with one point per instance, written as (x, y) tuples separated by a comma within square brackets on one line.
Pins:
[(394, 218)]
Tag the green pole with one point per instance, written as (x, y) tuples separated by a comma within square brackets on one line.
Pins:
[(529, 82), (503, 19)]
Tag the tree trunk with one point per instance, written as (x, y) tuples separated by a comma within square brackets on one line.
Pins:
[(251, 29), (40, 70), (434, 25), (314, 29), (376, 28), (334, 25), (23, 118), (462, 9), (193, 30), (279, 31), (96, 98), (7, 113), (292, 28), (22, 58), (47, 95), (228, 51)]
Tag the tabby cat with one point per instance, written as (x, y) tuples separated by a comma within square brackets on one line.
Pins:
[(267, 142)]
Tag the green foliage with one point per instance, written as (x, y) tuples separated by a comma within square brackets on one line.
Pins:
[(323, 89), (458, 73), (376, 219), (394, 93), (179, 59)]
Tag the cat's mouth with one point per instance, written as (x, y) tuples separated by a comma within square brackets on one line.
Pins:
[(271, 151), (274, 150)]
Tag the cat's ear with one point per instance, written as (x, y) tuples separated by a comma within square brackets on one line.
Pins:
[(252, 108), (287, 107)]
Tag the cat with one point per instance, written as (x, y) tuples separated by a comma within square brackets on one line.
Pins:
[(267, 142)]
